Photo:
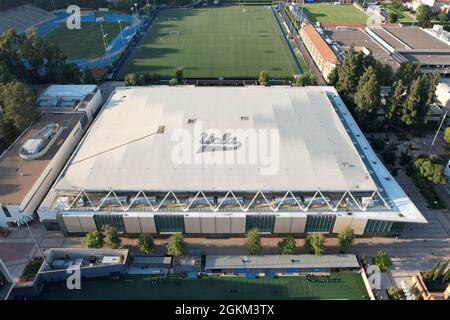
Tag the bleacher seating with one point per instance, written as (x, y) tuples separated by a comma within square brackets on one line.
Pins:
[(23, 18)]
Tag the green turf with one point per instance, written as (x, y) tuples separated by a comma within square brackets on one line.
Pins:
[(401, 12), (214, 42), (343, 285), (330, 13), (85, 43)]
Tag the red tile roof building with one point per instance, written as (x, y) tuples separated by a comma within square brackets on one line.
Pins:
[(323, 56)]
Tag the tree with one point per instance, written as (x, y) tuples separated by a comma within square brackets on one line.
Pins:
[(423, 16), (316, 243), (382, 260), (94, 239), (263, 78), (179, 75), (346, 238), (131, 79), (392, 17), (88, 77), (407, 72), (253, 242), (173, 82), (389, 155), (348, 74), (287, 245), (146, 244), (431, 170), (447, 136), (395, 100), (306, 79), (443, 17), (415, 108), (176, 245), (333, 77), (367, 97), (68, 73), (18, 104), (112, 239)]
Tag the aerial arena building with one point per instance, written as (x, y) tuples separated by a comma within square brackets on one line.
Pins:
[(219, 161)]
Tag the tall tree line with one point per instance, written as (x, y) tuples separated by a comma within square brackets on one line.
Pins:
[(359, 79)]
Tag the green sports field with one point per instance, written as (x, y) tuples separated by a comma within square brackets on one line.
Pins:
[(85, 43), (330, 13), (342, 285), (214, 42)]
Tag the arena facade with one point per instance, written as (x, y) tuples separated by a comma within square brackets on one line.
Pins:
[(223, 160)]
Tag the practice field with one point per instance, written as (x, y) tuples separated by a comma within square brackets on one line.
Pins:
[(86, 43), (330, 13), (342, 285), (214, 42)]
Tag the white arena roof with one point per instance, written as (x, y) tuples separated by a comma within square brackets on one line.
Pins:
[(121, 151)]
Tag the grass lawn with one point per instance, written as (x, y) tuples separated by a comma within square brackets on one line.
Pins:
[(330, 13), (214, 42), (401, 12), (85, 43), (343, 285)]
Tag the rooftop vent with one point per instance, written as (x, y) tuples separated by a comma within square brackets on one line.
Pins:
[(161, 129), (40, 142)]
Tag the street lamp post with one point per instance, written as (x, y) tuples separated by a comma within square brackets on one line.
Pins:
[(35, 242)]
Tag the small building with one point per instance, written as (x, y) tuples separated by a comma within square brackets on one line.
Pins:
[(6, 282), (150, 265), (443, 95), (284, 264), (32, 163), (324, 58), (86, 98), (61, 263)]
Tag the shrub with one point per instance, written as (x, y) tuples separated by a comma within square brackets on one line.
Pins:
[(176, 245), (131, 79), (253, 242), (287, 245), (392, 17), (316, 243), (173, 82), (94, 239), (179, 75), (146, 244), (263, 78), (346, 238), (447, 136), (382, 260), (111, 235)]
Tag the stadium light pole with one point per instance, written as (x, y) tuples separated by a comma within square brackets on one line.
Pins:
[(121, 34), (103, 33), (106, 48)]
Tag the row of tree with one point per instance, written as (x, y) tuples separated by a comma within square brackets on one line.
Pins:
[(176, 245), (28, 59), (359, 79), (314, 242)]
